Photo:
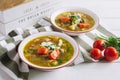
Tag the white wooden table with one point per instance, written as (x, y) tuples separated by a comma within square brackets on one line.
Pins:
[(109, 14)]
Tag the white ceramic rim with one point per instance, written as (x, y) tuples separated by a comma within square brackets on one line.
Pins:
[(62, 35), (77, 9)]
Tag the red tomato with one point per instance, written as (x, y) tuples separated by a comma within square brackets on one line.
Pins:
[(43, 50), (96, 53), (54, 54), (64, 19), (111, 54), (84, 25), (100, 44)]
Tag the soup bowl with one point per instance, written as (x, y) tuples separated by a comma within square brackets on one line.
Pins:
[(74, 20), (29, 56)]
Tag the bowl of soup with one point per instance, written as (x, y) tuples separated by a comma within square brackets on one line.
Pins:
[(74, 21), (48, 50)]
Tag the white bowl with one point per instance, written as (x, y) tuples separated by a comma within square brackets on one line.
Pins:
[(62, 35), (74, 9)]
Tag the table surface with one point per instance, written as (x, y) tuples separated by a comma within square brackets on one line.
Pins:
[(109, 14)]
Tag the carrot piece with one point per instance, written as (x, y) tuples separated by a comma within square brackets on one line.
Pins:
[(54, 54), (64, 19), (43, 50), (84, 25)]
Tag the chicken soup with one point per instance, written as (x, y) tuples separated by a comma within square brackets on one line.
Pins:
[(48, 51), (74, 21)]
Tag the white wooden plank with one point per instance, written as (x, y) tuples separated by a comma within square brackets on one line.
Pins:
[(103, 8), (111, 23), (107, 12), (86, 71)]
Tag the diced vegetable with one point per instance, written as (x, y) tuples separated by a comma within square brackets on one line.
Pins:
[(82, 20), (72, 27), (62, 51), (43, 50), (54, 63), (68, 49), (64, 19), (67, 23), (60, 42), (29, 50), (54, 54), (60, 60), (84, 25)]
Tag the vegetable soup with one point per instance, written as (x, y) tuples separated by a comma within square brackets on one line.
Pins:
[(48, 51), (74, 21)]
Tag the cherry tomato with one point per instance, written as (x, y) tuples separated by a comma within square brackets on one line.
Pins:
[(96, 53), (100, 44), (111, 54), (53, 55), (64, 19), (43, 50)]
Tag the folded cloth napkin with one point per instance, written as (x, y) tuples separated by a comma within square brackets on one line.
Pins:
[(18, 70)]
